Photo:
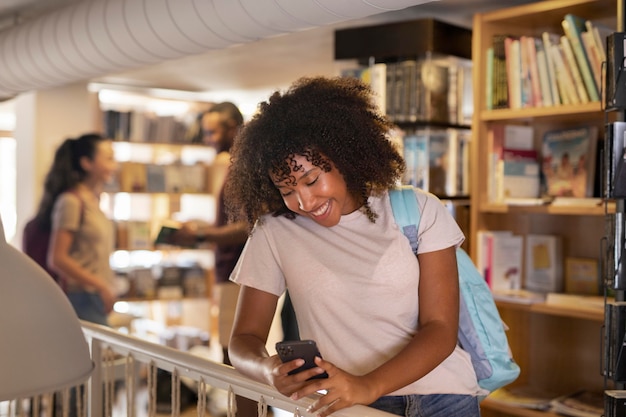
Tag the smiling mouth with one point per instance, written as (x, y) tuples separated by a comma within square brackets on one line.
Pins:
[(320, 211)]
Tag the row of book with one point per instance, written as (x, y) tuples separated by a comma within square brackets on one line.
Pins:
[(140, 126), (421, 90), (135, 177), (535, 263), (547, 70), (171, 282), (565, 165), (437, 160)]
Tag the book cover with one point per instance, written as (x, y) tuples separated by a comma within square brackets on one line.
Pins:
[(520, 178), (580, 404), (506, 262), (568, 161), (582, 276), (544, 263), (164, 236), (573, 26), (416, 159), (615, 322)]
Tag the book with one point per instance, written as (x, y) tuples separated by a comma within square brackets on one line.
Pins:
[(543, 74), (573, 26), (523, 397), (520, 178), (507, 142), (544, 263), (580, 404), (615, 403), (574, 69), (614, 137), (582, 276), (562, 74), (568, 161), (506, 262), (549, 39), (513, 72), (615, 322), (167, 230), (500, 99), (416, 160)]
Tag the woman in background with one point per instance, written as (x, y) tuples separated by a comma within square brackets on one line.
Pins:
[(81, 238)]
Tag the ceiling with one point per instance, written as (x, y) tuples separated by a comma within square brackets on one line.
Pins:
[(260, 66)]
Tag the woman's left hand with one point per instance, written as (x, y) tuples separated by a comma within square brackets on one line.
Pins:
[(342, 390)]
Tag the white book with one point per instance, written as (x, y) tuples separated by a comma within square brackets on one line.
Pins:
[(544, 263), (544, 78), (506, 267)]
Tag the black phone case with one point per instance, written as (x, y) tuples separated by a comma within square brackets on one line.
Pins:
[(304, 349)]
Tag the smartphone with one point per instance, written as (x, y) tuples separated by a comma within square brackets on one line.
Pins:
[(304, 349)]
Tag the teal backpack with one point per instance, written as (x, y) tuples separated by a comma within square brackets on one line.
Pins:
[(481, 330)]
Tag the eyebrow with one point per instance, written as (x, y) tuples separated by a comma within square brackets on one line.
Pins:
[(295, 182)]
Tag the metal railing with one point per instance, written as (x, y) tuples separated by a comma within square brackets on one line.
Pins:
[(117, 355)]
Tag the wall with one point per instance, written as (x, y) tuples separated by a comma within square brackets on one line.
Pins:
[(43, 119)]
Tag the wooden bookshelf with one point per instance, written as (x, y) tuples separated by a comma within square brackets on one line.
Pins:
[(557, 347)]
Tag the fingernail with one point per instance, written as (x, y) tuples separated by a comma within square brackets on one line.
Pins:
[(294, 396)]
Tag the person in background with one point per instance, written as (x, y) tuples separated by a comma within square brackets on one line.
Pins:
[(310, 175), (82, 237), (219, 127)]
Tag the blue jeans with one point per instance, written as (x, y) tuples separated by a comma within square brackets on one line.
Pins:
[(433, 405), (88, 306)]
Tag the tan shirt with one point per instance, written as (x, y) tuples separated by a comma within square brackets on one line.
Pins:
[(93, 236)]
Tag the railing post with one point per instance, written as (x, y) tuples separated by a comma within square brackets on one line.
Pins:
[(95, 397)]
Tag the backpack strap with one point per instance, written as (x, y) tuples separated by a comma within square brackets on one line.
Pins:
[(406, 212)]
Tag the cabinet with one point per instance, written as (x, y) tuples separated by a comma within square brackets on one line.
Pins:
[(165, 175), (558, 348)]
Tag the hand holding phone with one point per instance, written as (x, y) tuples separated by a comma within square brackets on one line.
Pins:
[(303, 349)]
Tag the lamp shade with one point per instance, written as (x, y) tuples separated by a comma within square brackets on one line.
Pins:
[(42, 345)]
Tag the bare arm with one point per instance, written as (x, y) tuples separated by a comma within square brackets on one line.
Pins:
[(246, 349), (193, 232)]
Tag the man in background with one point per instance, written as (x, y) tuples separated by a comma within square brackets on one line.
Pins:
[(219, 127)]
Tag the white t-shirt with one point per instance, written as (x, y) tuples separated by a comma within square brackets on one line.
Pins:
[(354, 286)]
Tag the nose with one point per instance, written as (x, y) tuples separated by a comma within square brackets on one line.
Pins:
[(305, 202)]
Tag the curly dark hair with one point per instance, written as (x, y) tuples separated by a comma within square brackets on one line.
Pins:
[(325, 120)]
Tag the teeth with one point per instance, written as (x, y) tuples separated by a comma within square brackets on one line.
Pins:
[(320, 210)]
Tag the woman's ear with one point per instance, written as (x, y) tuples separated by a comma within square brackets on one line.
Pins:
[(86, 163)]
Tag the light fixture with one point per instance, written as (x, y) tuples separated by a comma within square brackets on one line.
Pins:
[(42, 345)]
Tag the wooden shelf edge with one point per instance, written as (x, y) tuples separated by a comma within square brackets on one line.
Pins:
[(539, 112), (514, 411), (575, 210), (585, 313)]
